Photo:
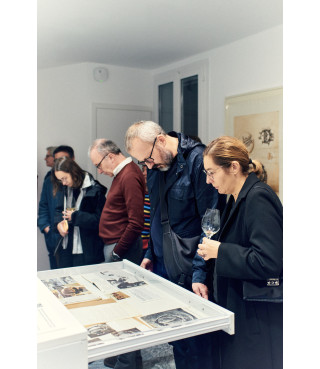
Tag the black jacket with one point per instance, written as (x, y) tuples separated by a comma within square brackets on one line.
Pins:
[(186, 191), (251, 250), (87, 219)]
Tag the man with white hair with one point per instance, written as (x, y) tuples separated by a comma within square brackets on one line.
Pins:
[(177, 183), (122, 219)]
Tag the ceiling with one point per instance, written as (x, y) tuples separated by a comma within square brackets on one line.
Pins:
[(145, 34)]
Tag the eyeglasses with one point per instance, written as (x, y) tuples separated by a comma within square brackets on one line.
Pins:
[(63, 179), (210, 174), (99, 164), (148, 160)]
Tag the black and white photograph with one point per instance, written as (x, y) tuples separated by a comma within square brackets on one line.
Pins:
[(100, 329), (169, 318), (122, 280)]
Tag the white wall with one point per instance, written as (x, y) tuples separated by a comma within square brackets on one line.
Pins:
[(66, 94), (250, 64), (65, 98)]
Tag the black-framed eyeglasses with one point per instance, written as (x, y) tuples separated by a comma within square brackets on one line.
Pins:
[(99, 164), (210, 174), (148, 160)]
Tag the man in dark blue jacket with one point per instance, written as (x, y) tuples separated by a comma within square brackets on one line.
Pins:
[(177, 172), (48, 203)]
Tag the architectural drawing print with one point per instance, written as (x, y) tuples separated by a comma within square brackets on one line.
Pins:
[(127, 333), (266, 136), (122, 279), (256, 119), (248, 140), (260, 134), (99, 329), (174, 317)]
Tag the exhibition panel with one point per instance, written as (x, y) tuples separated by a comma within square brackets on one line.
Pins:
[(124, 307)]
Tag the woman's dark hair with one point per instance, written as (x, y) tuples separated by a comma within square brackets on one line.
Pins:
[(67, 165), (224, 150)]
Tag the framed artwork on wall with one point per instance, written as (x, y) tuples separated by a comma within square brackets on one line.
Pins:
[(256, 119)]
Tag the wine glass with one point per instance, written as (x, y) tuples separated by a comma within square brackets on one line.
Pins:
[(211, 222)]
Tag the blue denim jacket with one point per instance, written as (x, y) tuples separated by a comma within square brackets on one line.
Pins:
[(46, 214), (186, 191)]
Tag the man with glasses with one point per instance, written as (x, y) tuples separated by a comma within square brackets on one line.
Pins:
[(122, 218), (175, 169), (48, 202)]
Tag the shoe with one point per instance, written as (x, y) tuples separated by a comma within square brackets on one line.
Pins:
[(110, 361)]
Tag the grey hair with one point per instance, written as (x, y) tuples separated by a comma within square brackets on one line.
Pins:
[(104, 146), (146, 130), (51, 149)]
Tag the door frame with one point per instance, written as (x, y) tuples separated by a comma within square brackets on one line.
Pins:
[(94, 130), (175, 75)]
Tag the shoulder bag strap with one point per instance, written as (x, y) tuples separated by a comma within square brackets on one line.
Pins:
[(163, 203)]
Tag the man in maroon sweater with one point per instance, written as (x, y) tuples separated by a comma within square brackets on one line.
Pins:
[(122, 218)]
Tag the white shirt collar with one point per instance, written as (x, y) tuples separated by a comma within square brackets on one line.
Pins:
[(118, 168), (86, 182)]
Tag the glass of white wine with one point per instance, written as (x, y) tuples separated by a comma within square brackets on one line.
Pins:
[(211, 222)]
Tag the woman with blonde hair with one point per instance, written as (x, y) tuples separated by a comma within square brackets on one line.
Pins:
[(248, 253)]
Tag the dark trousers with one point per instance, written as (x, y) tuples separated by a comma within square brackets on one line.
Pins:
[(52, 260), (68, 260), (129, 360), (198, 352)]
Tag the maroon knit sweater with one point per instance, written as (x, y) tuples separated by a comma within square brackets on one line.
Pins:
[(122, 216)]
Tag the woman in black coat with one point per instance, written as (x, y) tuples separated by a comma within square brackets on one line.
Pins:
[(78, 221), (248, 254)]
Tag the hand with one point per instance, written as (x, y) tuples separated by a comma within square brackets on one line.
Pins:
[(200, 289), (67, 214), (63, 228), (208, 249), (147, 264), (47, 229), (114, 256)]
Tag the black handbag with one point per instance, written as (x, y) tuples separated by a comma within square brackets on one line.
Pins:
[(178, 252)]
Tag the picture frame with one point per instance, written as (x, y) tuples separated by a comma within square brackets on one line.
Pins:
[(256, 118)]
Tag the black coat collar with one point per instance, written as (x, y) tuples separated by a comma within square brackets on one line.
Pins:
[(231, 206)]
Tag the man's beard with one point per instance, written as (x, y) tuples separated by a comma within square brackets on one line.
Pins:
[(166, 159)]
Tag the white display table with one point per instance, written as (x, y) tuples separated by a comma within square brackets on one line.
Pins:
[(123, 308), (60, 335)]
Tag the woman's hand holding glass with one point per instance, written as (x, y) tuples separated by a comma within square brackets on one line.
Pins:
[(210, 224), (68, 213), (208, 249)]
